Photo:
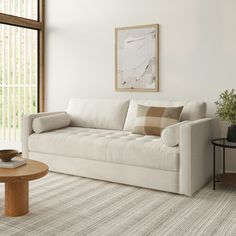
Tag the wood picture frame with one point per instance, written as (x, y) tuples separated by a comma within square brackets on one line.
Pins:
[(137, 58)]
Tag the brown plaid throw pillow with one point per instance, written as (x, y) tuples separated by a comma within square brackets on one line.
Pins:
[(152, 120)]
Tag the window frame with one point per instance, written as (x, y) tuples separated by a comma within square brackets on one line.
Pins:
[(38, 25)]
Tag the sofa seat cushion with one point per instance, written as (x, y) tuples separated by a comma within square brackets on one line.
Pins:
[(107, 145)]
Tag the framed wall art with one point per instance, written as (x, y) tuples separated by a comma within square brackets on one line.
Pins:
[(136, 58)]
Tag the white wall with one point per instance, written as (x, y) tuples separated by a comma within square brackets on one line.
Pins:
[(197, 48)]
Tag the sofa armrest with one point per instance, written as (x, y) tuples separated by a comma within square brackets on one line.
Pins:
[(195, 155), (27, 129)]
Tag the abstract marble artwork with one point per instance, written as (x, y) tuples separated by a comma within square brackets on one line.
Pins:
[(137, 58)]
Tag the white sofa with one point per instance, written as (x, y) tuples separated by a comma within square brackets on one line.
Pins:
[(99, 144)]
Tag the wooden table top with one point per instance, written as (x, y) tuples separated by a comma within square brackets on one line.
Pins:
[(30, 171)]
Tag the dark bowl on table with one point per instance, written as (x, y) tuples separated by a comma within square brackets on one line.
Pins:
[(7, 154)]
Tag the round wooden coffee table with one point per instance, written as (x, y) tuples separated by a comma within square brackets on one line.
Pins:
[(17, 186)]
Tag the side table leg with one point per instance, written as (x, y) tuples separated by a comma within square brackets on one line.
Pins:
[(223, 160), (214, 160), (16, 198)]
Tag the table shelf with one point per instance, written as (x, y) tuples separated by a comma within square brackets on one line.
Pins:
[(227, 178)]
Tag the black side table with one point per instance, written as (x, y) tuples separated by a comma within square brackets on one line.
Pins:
[(225, 178)]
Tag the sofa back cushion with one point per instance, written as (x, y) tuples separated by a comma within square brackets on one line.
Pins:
[(191, 110), (98, 113)]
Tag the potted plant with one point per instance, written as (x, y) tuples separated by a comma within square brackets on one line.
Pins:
[(226, 110)]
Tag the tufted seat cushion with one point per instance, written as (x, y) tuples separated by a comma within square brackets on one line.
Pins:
[(107, 145)]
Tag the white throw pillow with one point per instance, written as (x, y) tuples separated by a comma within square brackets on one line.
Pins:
[(170, 135), (51, 122)]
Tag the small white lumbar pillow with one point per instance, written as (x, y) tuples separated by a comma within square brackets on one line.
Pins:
[(51, 122), (170, 135)]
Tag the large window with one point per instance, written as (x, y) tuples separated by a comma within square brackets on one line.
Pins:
[(21, 65)]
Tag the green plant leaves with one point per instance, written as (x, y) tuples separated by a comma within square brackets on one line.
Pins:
[(226, 106)]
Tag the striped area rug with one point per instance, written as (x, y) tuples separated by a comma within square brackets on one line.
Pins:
[(70, 205)]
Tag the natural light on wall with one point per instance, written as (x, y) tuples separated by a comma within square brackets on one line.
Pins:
[(18, 71)]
